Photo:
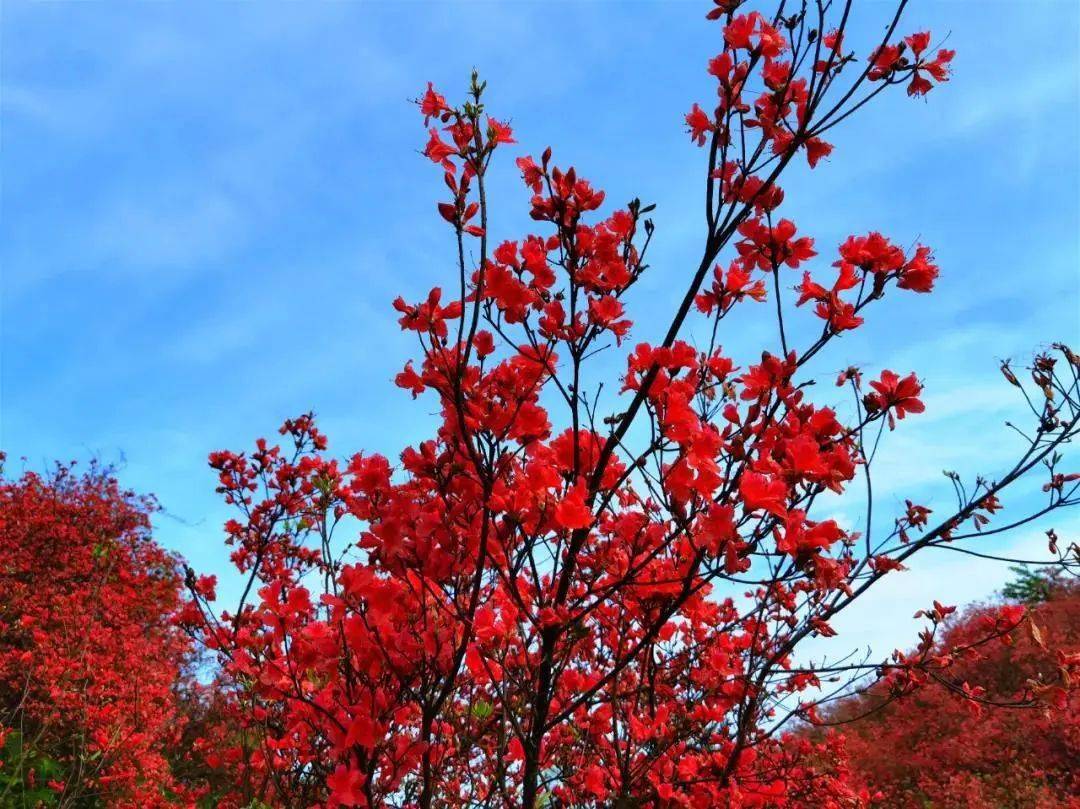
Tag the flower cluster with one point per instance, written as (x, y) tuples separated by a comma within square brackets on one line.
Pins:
[(584, 590)]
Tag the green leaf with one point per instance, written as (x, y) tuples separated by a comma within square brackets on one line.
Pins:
[(482, 709)]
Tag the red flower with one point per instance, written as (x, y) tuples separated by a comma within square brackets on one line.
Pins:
[(1009, 617), (937, 69), (720, 66), (899, 396), (722, 7), (572, 512), (816, 149), (698, 123), (763, 492), (499, 132), (737, 33), (920, 272), (918, 42), (531, 173), (432, 105), (438, 151), (771, 42), (346, 786), (729, 289), (410, 380), (766, 247), (871, 253), (605, 311), (595, 782), (884, 61)]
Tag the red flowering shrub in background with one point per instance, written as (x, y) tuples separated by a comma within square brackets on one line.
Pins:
[(934, 749), (590, 591), (90, 660)]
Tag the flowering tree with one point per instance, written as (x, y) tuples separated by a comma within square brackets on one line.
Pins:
[(1013, 759), (567, 598), (90, 661)]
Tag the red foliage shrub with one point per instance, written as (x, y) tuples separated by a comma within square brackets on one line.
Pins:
[(89, 657), (941, 749)]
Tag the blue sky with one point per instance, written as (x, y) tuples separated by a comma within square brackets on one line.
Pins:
[(207, 209)]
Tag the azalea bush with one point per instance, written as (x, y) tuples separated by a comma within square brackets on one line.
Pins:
[(593, 590), (964, 753), (91, 661)]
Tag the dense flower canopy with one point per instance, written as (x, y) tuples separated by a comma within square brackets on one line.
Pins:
[(961, 753), (90, 659)]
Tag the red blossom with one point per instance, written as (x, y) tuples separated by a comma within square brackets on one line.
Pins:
[(432, 105), (698, 124), (438, 151), (896, 395)]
